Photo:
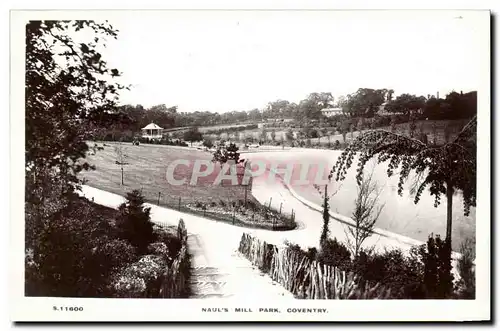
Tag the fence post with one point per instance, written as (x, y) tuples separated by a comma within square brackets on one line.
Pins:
[(159, 194), (270, 200), (281, 205), (179, 203), (234, 211)]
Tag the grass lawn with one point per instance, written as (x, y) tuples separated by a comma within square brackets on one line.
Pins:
[(146, 168)]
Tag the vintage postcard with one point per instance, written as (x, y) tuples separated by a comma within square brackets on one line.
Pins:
[(250, 165)]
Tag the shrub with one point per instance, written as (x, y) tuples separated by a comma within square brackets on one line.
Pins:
[(438, 279), (402, 274), (76, 255), (334, 253), (134, 221), (159, 248), (466, 287), (213, 204), (134, 280), (171, 241), (222, 203)]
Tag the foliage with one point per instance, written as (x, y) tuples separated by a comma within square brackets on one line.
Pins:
[(438, 278), (402, 274), (208, 143), (137, 278), (76, 253), (334, 253), (406, 104), (134, 221), (466, 269), (364, 102), (454, 106), (70, 92), (225, 153), (192, 135)]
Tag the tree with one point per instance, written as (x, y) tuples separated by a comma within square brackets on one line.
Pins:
[(365, 102), (70, 94), (273, 135), (445, 170), (406, 104), (193, 134), (310, 108), (120, 158), (366, 213), (289, 135), (208, 143), (134, 222), (224, 153)]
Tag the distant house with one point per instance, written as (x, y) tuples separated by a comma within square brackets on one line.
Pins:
[(152, 131), (328, 112)]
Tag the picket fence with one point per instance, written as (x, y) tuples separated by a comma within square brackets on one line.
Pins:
[(304, 278)]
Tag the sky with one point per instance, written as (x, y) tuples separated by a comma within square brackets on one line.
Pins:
[(239, 60)]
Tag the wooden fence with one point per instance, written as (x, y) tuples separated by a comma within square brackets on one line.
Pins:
[(175, 280), (304, 278)]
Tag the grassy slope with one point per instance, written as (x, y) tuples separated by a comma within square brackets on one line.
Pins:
[(146, 170)]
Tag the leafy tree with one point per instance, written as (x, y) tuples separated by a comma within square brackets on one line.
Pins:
[(193, 134), (310, 108), (364, 102), (406, 104), (134, 222), (70, 94), (225, 153), (208, 143), (445, 169)]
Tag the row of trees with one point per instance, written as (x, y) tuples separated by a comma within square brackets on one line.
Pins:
[(364, 103)]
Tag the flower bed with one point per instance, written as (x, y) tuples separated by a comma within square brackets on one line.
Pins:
[(253, 215)]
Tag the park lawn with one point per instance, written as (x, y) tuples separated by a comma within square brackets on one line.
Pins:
[(146, 170)]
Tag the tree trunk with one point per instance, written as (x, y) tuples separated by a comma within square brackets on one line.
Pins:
[(449, 208)]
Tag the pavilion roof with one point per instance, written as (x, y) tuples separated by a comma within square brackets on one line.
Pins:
[(152, 126)]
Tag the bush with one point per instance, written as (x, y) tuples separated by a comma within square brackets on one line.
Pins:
[(466, 287), (171, 241), (402, 274), (137, 278), (438, 279), (334, 253), (134, 222), (76, 254)]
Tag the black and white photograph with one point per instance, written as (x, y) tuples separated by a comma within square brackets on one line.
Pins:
[(257, 165)]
